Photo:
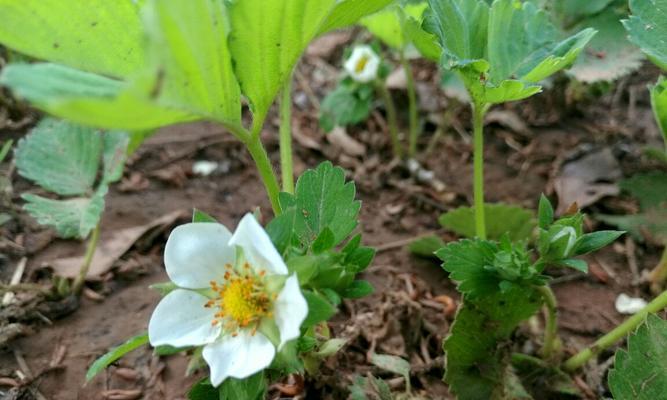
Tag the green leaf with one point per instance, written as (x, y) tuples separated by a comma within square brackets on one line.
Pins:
[(97, 35), (647, 28), (509, 90), (115, 354), (500, 219), (267, 39), (576, 7), (358, 289), (595, 240), (649, 188), (610, 54), (475, 350), (348, 12), (659, 103), (251, 388), (393, 364), (579, 265), (71, 218), (319, 309), (424, 42), (465, 261), (89, 99), (200, 216), (4, 150), (639, 371), (545, 212), (188, 39), (60, 157), (426, 246), (344, 106), (325, 241), (330, 347), (203, 390), (389, 24), (651, 224)]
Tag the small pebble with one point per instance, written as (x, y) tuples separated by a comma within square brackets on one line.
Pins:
[(629, 305)]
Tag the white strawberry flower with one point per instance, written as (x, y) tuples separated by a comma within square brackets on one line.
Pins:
[(234, 297), (363, 64)]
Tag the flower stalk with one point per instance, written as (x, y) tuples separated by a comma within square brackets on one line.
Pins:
[(392, 119), (286, 162), (550, 345), (412, 105), (479, 111), (87, 260)]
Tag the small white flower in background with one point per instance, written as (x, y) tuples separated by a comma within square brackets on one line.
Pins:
[(363, 64), (232, 291), (629, 305)]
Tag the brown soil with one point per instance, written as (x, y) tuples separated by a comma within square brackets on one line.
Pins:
[(404, 317)]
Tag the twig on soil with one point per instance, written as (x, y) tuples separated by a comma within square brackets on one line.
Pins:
[(401, 242), (16, 278)]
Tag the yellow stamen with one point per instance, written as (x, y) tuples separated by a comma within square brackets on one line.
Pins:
[(361, 64)]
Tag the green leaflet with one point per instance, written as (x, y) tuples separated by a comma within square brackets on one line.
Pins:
[(659, 103), (639, 371), (647, 28), (265, 48), (389, 24), (477, 359), (348, 12), (348, 104), (97, 35), (188, 41), (114, 354), (500, 219), (89, 99)]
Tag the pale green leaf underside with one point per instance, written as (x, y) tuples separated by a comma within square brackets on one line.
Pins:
[(424, 42), (99, 36), (87, 98), (659, 103), (267, 39), (348, 12), (188, 41), (509, 90), (60, 157), (640, 372), (71, 218), (647, 28), (609, 55), (517, 222)]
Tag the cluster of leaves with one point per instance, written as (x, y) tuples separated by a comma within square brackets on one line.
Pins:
[(76, 163), (500, 282)]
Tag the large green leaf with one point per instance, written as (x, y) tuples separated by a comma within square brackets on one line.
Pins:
[(647, 28), (71, 218), (476, 349), (640, 372), (96, 35), (501, 219), (188, 39), (389, 24), (267, 39), (60, 157), (348, 12), (88, 98), (659, 103)]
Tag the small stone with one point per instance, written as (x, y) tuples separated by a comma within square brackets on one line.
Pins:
[(629, 305)]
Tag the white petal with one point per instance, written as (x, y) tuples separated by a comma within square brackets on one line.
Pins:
[(238, 357), (290, 309), (369, 72), (180, 319), (197, 253), (257, 246)]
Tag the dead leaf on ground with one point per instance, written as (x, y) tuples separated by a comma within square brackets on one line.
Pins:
[(325, 45), (397, 79), (350, 146), (587, 179), (112, 246)]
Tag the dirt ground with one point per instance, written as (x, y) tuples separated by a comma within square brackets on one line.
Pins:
[(409, 313)]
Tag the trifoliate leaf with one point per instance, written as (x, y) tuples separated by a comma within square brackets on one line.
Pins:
[(116, 353), (71, 218), (476, 358), (344, 106), (500, 219), (610, 54), (61, 157), (266, 40), (348, 12), (659, 103), (188, 39), (639, 371), (426, 246), (647, 28), (97, 35)]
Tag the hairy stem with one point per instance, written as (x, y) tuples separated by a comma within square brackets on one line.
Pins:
[(392, 119), (87, 260), (551, 326), (261, 158), (286, 163), (615, 334), (412, 105), (479, 110)]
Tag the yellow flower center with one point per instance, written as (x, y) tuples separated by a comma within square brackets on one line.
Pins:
[(242, 299), (361, 64)]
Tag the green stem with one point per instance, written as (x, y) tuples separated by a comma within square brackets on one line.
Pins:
[(286, 163), (412, 105), (264, 167), (392, 119), (551, 325), (87, 260), (479, 110), (616, 334)]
